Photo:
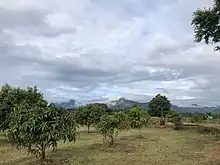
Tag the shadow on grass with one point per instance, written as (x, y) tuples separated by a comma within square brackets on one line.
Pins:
[(4, 142), (118, 146), (86, 132), (142, 137), (80, 155)]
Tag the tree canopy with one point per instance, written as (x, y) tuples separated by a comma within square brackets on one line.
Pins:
[(110, 125), (206, 24), (138, 117), (90, 114), (40, 126), (159, 106), (10, 97)]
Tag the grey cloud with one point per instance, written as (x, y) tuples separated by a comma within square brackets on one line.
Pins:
[(31, 21), (92, 55), (17, 18)]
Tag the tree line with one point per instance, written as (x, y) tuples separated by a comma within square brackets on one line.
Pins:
[(31, 123)]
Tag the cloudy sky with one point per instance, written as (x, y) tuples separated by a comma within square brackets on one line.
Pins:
[(100, 50)]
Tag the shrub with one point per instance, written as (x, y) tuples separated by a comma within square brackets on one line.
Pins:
[(110, 125), (90, 114), (170, 115), (177, 121), (196, 118), (40, 127), (138, 118), (162, 121)]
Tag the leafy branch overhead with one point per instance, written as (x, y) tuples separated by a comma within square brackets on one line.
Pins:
[(206, 24)]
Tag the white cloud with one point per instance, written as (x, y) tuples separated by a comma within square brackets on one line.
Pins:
[(99, 50)]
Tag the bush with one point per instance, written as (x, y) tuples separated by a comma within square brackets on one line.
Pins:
[(90, 114), (196, 118), (138, 118), (170, 115), (110, 125), (40, 127), (177, 121), (162, 121)]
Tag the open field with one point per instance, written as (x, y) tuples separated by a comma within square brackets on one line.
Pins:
[(159, 147)]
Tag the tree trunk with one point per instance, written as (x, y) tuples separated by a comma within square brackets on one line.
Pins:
[(88, 126), (140, 132), (112, 141), (43, 152), (162, 112)]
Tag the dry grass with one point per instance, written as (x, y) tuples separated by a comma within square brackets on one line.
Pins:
[(214, 151), (158, 147)]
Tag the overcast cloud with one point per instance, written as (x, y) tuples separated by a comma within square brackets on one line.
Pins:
[(99, 50)]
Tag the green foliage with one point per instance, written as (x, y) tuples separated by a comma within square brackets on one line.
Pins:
[(162, 121), (110, 125), (39, 127), (10, 97), (138, 117), (197, 118), (216, 115), (123, 120), (206, 25), (186, 114), (169, 116), (177, 121), (90, 114), (159, 106)]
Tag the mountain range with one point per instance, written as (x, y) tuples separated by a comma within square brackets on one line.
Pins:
[(124, 103), (68, 105)]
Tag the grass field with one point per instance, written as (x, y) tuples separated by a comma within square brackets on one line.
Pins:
[(158, 147)]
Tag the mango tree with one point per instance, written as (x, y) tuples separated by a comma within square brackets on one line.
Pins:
[(90, 114), (110, 125), (40, 126), (138, 118)]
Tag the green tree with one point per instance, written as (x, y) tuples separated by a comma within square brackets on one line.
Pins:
[(206, 24), (90, 114), (159, 106), (122, 119), (138, 118), (169, 116), (39, 127), (10, 97), (216, 115), (110, 125), (196, 118), (177, 121)]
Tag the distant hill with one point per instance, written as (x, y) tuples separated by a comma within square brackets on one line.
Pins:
[(124, 103), (216, 110), (69, 104)]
